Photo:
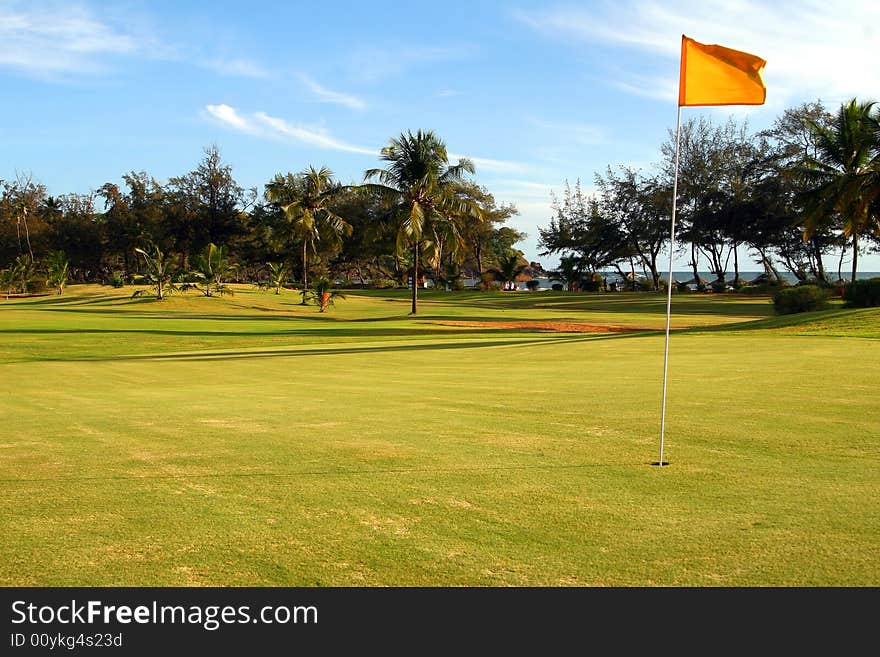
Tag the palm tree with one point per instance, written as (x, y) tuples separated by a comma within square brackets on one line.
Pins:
[(323, 294), (843, 174), (24, 271), (213, 266), (7, 281), (57, 266), (509, 267), (277, 275), (569, 271), (422, 185), (306, 200), (159, 271)]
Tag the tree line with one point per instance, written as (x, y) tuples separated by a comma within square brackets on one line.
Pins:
[(418, 215), (807, 187)]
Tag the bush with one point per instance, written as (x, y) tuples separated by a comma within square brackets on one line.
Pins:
[(532, 285), (383, 284), (800, 299), (591, 284), (682, 287), (718, 286), (862, 294), (117, 279), (557, 287)]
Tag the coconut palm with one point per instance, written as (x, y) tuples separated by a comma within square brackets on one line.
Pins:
[(159, 272), (277, 275), (842, 176), (509, 267), (24, 272), (212, 266), (57, 266), (323, 295), (306, 200), (422, 184)]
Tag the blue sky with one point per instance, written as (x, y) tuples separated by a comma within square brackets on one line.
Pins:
[(535, 92)]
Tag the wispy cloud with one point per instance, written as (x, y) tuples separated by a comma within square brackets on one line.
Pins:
[(813, 49), (326, 95), (75, 41), (244, 68), (263, 125), (488, 164), (60, 40)]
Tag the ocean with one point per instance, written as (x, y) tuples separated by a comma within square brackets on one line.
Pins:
[(685, 276)]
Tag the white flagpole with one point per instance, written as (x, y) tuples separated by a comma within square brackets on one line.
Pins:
[(669, 286)]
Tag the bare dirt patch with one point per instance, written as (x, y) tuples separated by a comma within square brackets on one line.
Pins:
[(557, 327)]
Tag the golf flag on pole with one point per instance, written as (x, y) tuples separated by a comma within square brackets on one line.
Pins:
[(715, 75), (709, 75)]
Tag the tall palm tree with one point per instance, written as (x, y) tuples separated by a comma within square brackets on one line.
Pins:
[(842, 176), (509, 267), (306, 200), (422, 185)]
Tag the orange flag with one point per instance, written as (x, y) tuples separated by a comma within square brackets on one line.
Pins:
[(715, 75)]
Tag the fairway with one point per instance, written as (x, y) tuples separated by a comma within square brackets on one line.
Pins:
[(251, 441)]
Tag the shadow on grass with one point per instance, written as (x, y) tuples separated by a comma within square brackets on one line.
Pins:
[(333, 351)]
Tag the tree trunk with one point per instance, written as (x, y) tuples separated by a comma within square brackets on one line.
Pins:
[(305, 271), (820, 266), (735, 267), (855, 265), (27, 235), (415, 281), (697, 280), (478, 252), (159, 288)]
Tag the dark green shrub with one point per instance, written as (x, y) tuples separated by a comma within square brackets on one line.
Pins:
[(533, 284), (591, 283), (862, 294), (800, 299), (718, 286), (117, 279), (383, 283), (682, 287), (557, 287)]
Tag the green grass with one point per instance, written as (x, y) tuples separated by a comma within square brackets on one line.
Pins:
[(253, 441)]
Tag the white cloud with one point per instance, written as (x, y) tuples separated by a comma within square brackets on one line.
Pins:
[(488, 164), (310, 135), (72, 40), (266, 126), (326, 95), (60, 40), (813, 49), (226, 115)]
